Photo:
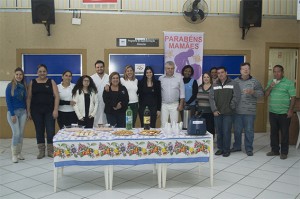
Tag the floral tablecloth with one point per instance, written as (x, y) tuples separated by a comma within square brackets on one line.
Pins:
[(104, 148)]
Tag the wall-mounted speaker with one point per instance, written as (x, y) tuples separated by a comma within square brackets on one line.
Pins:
[(250, 13), (43, 11)]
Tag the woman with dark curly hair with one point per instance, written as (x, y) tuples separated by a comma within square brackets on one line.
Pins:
[(190, 88), (85, 97)]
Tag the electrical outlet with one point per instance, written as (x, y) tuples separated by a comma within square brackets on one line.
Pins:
[(76, 21)]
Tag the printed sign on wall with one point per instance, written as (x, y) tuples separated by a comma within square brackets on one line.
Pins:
[(137, 42), (185, 48)]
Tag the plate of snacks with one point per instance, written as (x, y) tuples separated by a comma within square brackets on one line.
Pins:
[(84, 133), (149, 132), (103, 129), (73, 128), (123, 133)]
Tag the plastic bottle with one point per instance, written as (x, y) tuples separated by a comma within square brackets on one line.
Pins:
[(147, 118), (128, 118)]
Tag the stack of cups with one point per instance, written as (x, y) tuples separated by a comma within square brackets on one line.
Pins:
[(167, 128), (175, 128)]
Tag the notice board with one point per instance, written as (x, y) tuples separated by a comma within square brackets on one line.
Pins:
[(56, 65), (56, 60), (231, 60)]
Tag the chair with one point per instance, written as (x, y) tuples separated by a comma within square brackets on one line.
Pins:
[(298, 140)]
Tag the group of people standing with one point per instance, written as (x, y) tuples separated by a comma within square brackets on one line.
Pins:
[(93, 100), (103, 98), (233, 104)]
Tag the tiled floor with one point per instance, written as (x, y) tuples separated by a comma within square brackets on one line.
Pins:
[(237, 176)]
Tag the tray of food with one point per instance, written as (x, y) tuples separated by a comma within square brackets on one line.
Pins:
[(73, 128), (84, 133), (103, 129), (123, 133), (149, 132)]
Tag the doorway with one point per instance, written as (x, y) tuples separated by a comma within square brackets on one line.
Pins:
[(288, 58)]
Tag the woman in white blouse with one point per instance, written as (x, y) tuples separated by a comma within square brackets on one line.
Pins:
[(131, 84), (85, 96), (66, 113)]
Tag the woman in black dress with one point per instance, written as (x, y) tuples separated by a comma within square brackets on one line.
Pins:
[(149, 91)]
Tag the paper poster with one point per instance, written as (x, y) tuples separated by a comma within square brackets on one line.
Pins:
[(185, 48)]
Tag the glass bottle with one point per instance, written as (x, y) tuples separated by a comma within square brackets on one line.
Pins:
[(147, 118), (128, 118)]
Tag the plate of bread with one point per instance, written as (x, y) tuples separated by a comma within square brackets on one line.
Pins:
[(123, 133), (84, 133), (103, 129), (149, 132), (73, 129)]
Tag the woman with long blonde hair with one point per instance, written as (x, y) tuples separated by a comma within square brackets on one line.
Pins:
[(16, 115), (131, 84)]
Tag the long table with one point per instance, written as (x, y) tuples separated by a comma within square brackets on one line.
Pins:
[(104, 148)]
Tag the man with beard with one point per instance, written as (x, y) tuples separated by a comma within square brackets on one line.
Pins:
[(101, 79)]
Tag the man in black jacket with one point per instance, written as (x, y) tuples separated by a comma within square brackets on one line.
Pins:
[(223, 98)]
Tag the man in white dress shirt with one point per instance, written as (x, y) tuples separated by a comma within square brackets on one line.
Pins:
[(172, 93), (100, 79)]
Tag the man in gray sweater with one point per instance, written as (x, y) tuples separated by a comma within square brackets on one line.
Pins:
[(244, 117)]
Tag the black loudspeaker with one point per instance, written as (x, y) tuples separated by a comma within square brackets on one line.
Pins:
[(43, 11), (250, 13)]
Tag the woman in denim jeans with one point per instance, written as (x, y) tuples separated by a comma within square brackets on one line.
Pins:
[(42, 105), (16, 115)]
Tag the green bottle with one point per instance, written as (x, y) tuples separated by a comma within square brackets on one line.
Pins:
[(128, 118)]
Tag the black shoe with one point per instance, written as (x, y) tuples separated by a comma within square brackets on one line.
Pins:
[(283, 156), (249, 153), (226, 154), (219, 152), (234, 150), (272, 153)]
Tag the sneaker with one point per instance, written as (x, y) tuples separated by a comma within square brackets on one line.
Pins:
[(249, 153), (283, 156), (219, 152), (226, 154), (272, 153), (234, 150)]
